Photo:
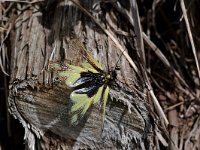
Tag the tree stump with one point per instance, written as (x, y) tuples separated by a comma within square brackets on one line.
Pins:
[(42, 105)]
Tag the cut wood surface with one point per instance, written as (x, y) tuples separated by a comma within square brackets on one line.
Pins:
[(42, 104)]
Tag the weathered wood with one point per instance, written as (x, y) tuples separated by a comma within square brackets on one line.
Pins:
[(42, 105)]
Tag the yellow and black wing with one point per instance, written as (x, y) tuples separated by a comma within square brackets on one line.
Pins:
[(89, 83)]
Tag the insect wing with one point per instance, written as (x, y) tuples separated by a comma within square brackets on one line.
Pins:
[(72, 76), (81, 104), (89, 67), (77, 45), (69, 73)]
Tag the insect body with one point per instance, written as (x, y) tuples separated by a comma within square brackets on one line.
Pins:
[(89, 83)]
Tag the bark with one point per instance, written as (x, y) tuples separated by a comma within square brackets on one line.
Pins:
[(42, 105)]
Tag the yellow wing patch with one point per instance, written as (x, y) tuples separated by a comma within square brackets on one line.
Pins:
[(89, 83)]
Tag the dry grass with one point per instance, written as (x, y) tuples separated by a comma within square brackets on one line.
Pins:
[(168, 45)]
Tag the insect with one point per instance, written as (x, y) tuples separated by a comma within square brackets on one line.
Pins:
[(88, 81)]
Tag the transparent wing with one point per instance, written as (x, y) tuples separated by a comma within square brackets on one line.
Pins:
[(69, 73), (75, 44)]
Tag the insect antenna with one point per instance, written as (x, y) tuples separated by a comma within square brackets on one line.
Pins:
[(116, 66), (113, 71)]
